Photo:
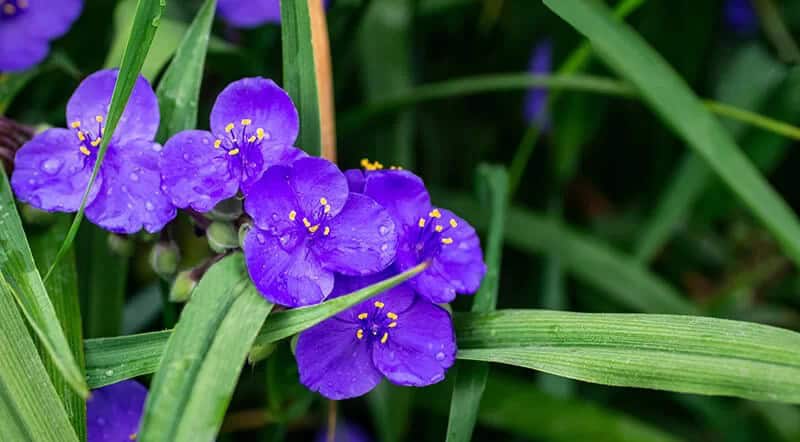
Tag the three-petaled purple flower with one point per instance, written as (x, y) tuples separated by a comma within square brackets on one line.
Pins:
[(27, 26), (535, 110), (426, 233), (307, 225), (252, 13), (52, 170), (113, 412), (397, 335), (253, 126)]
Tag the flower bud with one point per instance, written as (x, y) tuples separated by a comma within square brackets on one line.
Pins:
[(120, 244), (260, 352), (164, 258), (227, 210), (183, 286), (243, 229), (222, 236)]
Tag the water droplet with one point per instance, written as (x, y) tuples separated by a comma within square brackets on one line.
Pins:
[(133, 177), (109, 372), (285, 239), (130, 206), (267, 135), (31, 181), (437, 378), (274, 216), (157, 147), (149, 206), (52, 166), (440, 356), (384, 247), (384, 230), (186, 157), (261, 238), (205, 140)]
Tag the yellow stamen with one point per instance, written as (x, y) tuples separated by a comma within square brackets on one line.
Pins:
[(453, 223), (393, 325), (313, 229), (327, 231), (229, 127), (96, 142), (323, 201), (260, 134), (22, 4), (435, 213), (247, 122), (327, 208), (233, 152), (360, 334), (98, 118), (421, 222), (392, 316), (217, 143), (439, 228), (75, 124), (81, 136), (306, 222), (379, 304), (385, 337), (362, 316), (447, 240), (9, 9), (133, 436), (251, 139), (85, 151), (292, 215)]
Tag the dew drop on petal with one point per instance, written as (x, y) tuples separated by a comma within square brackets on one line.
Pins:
[(133, 176), (439, 356), (383, 230), (149, 206), (51, 166), (130, 206), (186, 157), (109, 372), (261, 238), (384, 247)]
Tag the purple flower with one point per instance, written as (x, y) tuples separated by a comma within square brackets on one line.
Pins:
[(345, 432), (425, 234), (536, 99), (53, 169), (252, 13), (308, 226), (27, 26), (741, 17), (253, 126), (113, 412), (397, 335)]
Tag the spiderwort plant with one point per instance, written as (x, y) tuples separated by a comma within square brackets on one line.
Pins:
[(28, 26), (53, 169), (253, 126), (113, 412), (308, 226), (535, 107), (397, 335)]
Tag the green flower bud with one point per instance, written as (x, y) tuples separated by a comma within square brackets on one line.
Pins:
[(164, 259), (260, 352), (222, 236), (120, 244), (227, 210), (183, 286), (243, 229)]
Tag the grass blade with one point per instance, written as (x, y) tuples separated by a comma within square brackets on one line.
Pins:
[(179, 89), (19, 271), (678, 353), (470, 377), (103, 274), (62, 288), (671, 98), (145, 25)]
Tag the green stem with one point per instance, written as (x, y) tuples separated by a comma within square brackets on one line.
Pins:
[(754, 119)]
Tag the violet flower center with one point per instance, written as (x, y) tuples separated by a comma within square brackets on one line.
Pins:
[(241, 139), (311, 226), (376, 326), (10, 9), (89, 139), (432, 235)]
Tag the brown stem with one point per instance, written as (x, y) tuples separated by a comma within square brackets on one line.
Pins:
[(324, 74), (331, 421)]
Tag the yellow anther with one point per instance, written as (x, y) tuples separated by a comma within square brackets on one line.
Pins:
[(435, 213), (133, 436), (393, 325), (306, 222), (292, 215), (447, 240), (96, 142), (453, 223), (421, 222), (327, 231), (75, 124), (260, 134), (323, 201), (251, 139), (438, 228), (360, 334), (9, 9), (385, 337), (217, 144), (229, 127), (81, 136), (233, 152), (392, 316), (246, 122), (364, 162), (362, 316), (314, 228), (98, 118), (327, 208), (367, 165), (85, 151), (22, 4), (379, 304)]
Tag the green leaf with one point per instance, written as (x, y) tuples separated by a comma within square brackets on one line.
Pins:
[(678, 353), (111, 360), (622, 277), (470, 377), (103, 275), (62, 287), (19, 271), (145, 25), (204, 356), (671, 98), (179, 89), (12, 84), (299, 73), (29, 405)]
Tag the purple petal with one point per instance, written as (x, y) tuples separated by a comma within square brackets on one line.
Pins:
[(458, 267), (402, 193), (316, 178), (44, 19), (355, 180), (284, 270), (249, 14), (396, 299), (362, 238), (113, 412), (17, 57), (195, 173), (257, 161), (271, 201), (260, 101), (420, 349), (741, 16), (93, 96), (345, 432), (334, 362), (51, 173), (536, 98), (131, 197)]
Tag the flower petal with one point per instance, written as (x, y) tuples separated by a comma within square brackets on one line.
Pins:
[(457, 268), (93, 97), (196, 174), (131, 197), (45, 19), (271, 201), (113, 412), (535, 110), (334, 362), (257, 161), (362, 239), (250, 14), (261, 101), (284, 270), (420, 349), (355, 180), (15, 56), (396, 299), (401, 192), (51, 173), (316, 178)]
